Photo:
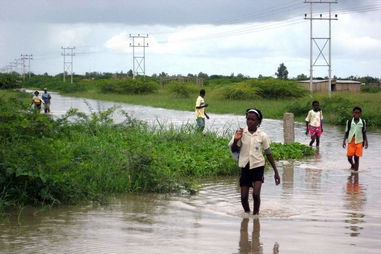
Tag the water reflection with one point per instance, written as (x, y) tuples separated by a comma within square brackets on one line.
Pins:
[(245, 245), (288, 178), (354, 201), (255, 245)]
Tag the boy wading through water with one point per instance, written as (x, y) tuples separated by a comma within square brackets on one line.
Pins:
[(46, 98), (314, 123), (251, 142), (355, 136), (200, 111)]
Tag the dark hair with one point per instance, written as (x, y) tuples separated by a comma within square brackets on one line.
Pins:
[(202, 92), (315, 102), (36, 92), (255, 111), (357, 108)]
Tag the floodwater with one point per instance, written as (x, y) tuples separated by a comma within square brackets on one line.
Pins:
[(319, 207)]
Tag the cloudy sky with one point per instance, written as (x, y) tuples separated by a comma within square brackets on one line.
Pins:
[(251, 37)]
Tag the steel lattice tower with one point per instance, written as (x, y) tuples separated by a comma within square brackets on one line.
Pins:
[(324, 40), (68, 65), (139, 63)]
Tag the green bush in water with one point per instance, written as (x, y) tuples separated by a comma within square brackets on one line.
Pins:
[(290, 151)]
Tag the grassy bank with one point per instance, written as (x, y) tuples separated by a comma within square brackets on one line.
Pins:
[(337, 108), (272, 96), (224, 95), (45, 161)]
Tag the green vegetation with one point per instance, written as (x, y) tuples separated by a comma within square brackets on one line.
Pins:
[(79, 157), (294, 151), (8, 81), (370, 89), (181, 90), (231, 94), (128, 86), (338, 108)]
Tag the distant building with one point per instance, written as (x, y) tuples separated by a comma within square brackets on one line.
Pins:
[(336, 85)]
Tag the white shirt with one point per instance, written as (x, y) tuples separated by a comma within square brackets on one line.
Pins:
[(314, 118), (251, 148)]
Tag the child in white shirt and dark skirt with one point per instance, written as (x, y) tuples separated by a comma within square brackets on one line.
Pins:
[(251, 143)]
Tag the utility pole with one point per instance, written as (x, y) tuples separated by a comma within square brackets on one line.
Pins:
[(13, 65), (16, 64), (68, 65), (138, 58), (315, 41), (23, 58)]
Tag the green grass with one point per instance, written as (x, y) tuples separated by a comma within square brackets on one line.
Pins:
[(46, 161), (336, 109), (274, 97)]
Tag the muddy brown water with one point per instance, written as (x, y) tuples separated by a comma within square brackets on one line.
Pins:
[(320, 207)]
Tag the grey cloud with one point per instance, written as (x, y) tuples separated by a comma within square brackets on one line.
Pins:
[(166, 12)]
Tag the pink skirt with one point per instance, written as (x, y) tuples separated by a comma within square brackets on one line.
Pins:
[(314, 130)]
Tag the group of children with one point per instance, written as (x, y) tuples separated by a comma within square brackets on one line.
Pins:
[(251, 143), (355, 133)]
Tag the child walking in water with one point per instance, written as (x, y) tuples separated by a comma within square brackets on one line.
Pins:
[(251, 142), (355, 136), (314, 123)]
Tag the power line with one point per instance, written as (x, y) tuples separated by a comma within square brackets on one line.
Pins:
[(24, 65)]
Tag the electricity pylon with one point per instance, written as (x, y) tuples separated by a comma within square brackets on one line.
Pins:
[(68, 65), (315, 41), (138, 57)]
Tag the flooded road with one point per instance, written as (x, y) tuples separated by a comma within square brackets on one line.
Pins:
[(319, 207)]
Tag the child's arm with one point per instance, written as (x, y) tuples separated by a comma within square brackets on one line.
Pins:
[(345, 138), (308, 118), (271, 160), (237, 137), (206, 115), (365, 140), (345, 134)]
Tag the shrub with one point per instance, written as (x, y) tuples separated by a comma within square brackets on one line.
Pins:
[(179, 89), (129, 86), (370, 89), (53, 83), (46, 161), (277, 89), (336, 109), (8, 81), (240, 91)]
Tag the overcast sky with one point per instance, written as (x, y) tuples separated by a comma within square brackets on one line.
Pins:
[(251, 37)]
